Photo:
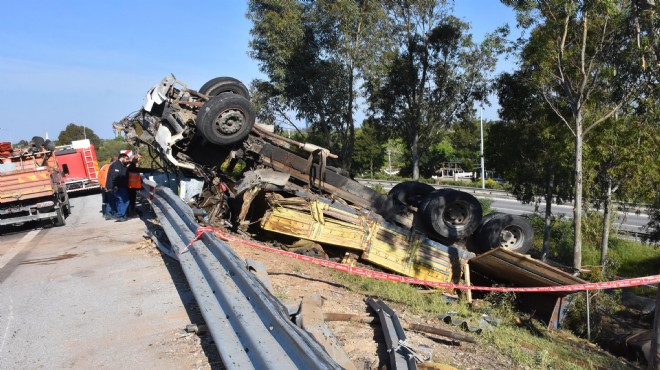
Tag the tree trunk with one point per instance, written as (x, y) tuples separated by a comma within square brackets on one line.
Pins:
[(548, 215), (347, 161), (577, 207), (415, 158), (606, 225)]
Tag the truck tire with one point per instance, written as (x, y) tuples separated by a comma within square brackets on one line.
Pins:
[(60, 220), (508, 231), (451, 213), (220, 85), (226, 119), (409, 193)]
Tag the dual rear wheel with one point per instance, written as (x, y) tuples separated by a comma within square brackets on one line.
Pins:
[(228, 116), (455, 215)]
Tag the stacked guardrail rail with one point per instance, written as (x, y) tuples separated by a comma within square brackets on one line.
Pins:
[(250, 327)]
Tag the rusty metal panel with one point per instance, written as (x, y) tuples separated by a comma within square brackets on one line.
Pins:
[(31, 178), (503, 265)]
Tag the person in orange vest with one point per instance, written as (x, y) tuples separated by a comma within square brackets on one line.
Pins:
[(107, 204), (134, 182)]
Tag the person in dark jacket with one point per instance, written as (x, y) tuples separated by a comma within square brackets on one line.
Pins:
[(117, 182)]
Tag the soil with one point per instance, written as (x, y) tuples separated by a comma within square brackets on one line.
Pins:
[(364, 343)]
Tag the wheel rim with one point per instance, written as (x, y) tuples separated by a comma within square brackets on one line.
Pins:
[(512, 237), (229, 122), (456, 215)]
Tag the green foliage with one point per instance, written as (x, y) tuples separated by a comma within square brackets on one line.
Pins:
[(429, 304), (21, 144), (394, 157), (430, 77), (313, 54), (466, 139), (602, 306), (485, 205), (369, 152), (534, 348), (588, 62), (77, 132), (490, 183), (633, 258), (379, 189), (111, 148), (528, 148)]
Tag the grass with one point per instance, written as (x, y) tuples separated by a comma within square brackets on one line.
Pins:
[(429, 304), (529, 345), (634, 258)]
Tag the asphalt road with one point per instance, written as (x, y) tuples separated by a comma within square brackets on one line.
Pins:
[(88, 295), (625, 221), (629, 221)]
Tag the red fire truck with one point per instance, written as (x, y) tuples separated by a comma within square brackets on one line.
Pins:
[(79, 165)]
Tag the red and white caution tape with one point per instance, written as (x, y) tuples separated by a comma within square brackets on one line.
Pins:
[(654, 279)]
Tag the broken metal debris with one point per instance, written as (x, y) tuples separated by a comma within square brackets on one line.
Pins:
[(402, 355), (310, 318)]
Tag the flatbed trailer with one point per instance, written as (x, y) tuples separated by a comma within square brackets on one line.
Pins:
[(32, 189)]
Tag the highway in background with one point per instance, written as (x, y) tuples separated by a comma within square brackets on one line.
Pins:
[(631, 222)]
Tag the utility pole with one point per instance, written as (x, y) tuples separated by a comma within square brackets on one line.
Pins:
[(389, 160), (483, 169)]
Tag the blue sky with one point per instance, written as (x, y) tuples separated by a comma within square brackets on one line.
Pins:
[(91, 62)]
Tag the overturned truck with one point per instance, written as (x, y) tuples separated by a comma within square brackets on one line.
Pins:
[(288, 188)]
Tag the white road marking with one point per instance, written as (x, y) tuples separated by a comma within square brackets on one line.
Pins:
[(17, 248), (10, 317)]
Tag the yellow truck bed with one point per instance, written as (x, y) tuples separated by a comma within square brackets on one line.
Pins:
[(382, 243)]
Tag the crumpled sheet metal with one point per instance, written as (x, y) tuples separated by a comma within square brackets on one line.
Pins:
[(485, 323)]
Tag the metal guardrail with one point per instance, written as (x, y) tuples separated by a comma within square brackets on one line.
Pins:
[(478, 192), (250, 327)]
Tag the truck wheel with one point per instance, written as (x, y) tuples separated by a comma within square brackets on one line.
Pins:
[(451, 213), (410, 193), (226, 119), (508, 231), (220, 85), (60, 220)]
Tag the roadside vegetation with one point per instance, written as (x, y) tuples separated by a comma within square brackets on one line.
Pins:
[(522, 338), (519, 337)]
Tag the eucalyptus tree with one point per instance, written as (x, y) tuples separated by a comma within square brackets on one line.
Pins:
[(527, 147), (314, 54), (623, 161), (431, 76), (586, 63)]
